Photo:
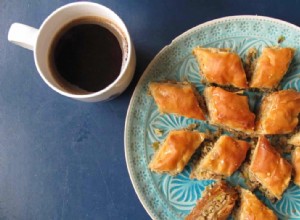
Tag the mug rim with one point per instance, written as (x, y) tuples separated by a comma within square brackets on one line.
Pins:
[(122, 72)]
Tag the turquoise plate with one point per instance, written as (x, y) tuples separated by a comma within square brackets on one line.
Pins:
[(167, 197)]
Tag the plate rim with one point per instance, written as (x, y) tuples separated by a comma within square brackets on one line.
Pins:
[(145, 73)]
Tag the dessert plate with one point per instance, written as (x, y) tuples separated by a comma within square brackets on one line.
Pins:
[(166, 197)]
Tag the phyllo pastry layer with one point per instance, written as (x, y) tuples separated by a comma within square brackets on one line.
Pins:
[(295, 140), (178, 98), (220, 66), (216, 202), (279, 112), (252, 208), (222, 160), (296, 165), (271, 66), (269, 169), (229, 110), (176, 151)]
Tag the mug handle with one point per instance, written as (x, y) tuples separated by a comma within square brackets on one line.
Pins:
[(23, 35)]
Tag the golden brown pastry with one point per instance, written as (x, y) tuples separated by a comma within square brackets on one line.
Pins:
[(296, 165), (223, 160), (271, 66), (216, 203), (221, 66), (279, 112), (251, 208), (176, 151), (295, 140), (268, 168), (229, 110), (178, 98)]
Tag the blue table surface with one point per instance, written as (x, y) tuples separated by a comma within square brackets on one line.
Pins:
[(64, 159)]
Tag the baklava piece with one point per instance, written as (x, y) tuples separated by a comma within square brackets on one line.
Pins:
[(279, 112), (220, 66), (296, 165), (271, 66), (269, 169), (229, 110), (252, 208), (176, 151), (216, 202), (222, 160), (179, 98), (295, 140)]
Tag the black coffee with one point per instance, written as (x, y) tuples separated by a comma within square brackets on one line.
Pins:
[(86, 55)]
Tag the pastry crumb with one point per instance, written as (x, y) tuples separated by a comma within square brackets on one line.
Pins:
[(155, 145)]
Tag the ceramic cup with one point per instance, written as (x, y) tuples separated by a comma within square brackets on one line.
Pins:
[(39, 40)]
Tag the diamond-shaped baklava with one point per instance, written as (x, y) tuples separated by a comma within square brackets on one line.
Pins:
[(180, 98), (217, 202), (271, 66), (269, 169), (222, 160), (176, 151), (221, 66), (279, 112), (252, 208), (229, 110)]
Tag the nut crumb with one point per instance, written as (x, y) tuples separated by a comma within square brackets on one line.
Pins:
[(192, 126), (155, 145), (281, 39)]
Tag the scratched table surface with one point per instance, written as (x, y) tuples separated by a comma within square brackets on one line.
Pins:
[(64, 159)]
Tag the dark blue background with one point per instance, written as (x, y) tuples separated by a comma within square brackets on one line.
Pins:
[(63, 159)]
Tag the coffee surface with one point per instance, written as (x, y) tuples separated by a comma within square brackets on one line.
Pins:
[(86, 55)]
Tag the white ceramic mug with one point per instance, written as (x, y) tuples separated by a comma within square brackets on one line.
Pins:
[(39, 40)]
